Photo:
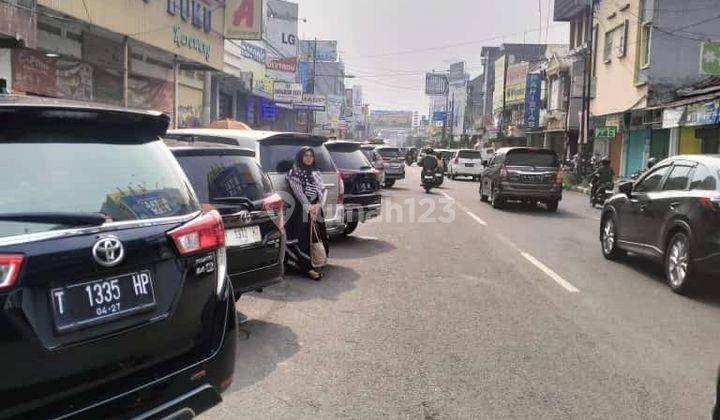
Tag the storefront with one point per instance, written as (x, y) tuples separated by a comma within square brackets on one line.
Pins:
[(693, 125)]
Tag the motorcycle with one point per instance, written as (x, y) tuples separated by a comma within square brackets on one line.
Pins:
[(602, 192), (428, 179)]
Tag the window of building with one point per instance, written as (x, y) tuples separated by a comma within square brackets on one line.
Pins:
[(607, 51), (645, 38)]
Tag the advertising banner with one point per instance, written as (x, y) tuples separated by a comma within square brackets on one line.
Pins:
[(436, 84), (533, 90), (499, 83), (281, 27), (243, 19), (515, 83), (391, 119), (311, 103), (32, 72), (287, 92), (283, 65), (253, 52), (710, 58), (702, 113), (319, 50), (672, 117)]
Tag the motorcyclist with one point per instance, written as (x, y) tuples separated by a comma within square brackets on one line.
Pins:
[(602, 175), (429, 161)]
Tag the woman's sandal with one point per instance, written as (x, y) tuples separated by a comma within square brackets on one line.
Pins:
[(318, 278)]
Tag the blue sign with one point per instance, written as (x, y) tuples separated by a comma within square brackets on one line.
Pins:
[(268, 110), (304, 75), (439, 116), (532, 101)]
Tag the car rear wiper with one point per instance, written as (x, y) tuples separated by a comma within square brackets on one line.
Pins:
[(58, 218), (366, 167), (233, 200)]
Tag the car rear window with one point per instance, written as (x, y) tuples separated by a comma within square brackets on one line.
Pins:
[(278, 155), (124, 181), (388, 152), (537, 158), (216, 176), (350, 159), (469, 154)]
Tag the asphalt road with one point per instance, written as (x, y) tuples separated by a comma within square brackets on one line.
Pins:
[(446, 308)]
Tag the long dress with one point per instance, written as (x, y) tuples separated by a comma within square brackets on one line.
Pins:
[(298, 227)]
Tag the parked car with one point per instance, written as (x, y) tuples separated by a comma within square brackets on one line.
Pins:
[(375, 160), (466, 162), (361, 186), (112, 279), (394, 164), (669, 215), (526, 174), (276, 153), (232, 181)]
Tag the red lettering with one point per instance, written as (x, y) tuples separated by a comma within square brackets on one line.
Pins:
[(245, 12)]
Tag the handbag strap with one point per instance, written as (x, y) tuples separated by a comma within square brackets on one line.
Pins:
[(314, 232)]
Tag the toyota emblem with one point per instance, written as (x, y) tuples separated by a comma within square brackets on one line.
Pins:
[(108, 251), (245, 217)]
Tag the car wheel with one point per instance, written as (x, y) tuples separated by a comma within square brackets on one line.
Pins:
[(608, 239), (678, 264), (497, 201), (453, 176), (350, 227), (552, 206), (389, 183)]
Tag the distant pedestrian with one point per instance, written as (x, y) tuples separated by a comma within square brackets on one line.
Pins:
[(306, 224)]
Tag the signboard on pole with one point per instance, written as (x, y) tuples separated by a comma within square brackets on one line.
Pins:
[(436, 84), (710, 58), (243, 19), (287, 92), (319, 50), (533, 88)]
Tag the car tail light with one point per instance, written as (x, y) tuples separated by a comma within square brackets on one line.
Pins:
[(274, 203), (710, 202), (503, 174), (9, 269), (346, 174), (202, 234), (340, 189), (559, 179)]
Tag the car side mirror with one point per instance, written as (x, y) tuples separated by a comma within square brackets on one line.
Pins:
[(626, 188)]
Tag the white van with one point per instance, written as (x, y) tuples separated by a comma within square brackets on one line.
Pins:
[(465, 162)]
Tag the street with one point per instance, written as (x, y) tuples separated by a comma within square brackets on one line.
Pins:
[(470, 312)]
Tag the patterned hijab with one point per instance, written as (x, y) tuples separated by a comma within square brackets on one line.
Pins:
[(307, 176)]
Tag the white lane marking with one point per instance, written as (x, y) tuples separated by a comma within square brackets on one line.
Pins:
[(477, 219), (465, 209), (367, 238), (553, 275)]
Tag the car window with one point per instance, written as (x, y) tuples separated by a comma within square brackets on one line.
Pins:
[(388, 152), (224, 176), (651, 182), (350, 159), (527, 157), (278, 155), (703, 179), (469, 154), (124, 182), (678, 179)]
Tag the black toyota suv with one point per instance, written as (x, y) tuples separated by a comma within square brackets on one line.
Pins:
[(232, 181), (114, 297), (361, 196)]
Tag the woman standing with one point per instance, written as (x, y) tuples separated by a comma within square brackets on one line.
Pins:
[(307, 187)]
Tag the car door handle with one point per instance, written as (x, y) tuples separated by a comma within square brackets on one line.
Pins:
[(673, 206)]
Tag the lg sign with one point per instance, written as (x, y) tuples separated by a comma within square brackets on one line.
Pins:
[(289, 39)]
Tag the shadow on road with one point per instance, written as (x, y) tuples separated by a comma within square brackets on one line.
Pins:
[(354, 247), (540, 210), (296, 288), (262, 346)]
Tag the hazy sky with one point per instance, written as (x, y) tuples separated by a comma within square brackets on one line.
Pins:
[(380, 38)]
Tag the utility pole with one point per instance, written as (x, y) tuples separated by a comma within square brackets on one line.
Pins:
[(311, 113), (587, 91)]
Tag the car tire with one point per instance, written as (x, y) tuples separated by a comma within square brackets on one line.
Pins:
[(552, 206), (497, 201), (608, 239), (350, 228), (389, 183), (679, 269), (453, 176)]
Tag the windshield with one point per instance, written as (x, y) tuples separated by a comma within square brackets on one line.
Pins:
[(469, 154), (388, 152), (353, 160), (121, 181), (542, 158), (279, 156), (225, 176)]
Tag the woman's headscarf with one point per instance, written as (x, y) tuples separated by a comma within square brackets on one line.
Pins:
[(306, 175)]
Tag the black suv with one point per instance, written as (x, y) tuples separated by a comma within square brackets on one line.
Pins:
[(671, 215), (231, 180), (114, 297), (524, 174), (361, 187)]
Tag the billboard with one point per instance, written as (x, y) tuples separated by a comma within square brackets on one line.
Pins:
[(436, 84), (710, 58), (243, 19), (319, 50), (281, 27), (457, 72), (515, 83), (287, 92), (391, 119), (498, 100)]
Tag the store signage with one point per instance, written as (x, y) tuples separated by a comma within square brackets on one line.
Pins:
[(244, 19), (287, 92), (318, 50), (253, 52), (516, 80), (311, 102), (606, 132), (285, 65), (182, 39), (710, 58), (533, 89), (439, 116), (193, 11), (703, 113)]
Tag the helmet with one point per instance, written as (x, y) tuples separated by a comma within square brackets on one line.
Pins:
[(429, 151), (651, 162)]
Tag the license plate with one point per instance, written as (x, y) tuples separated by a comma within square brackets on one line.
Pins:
[(86, 304), (243, 236), (366, 186), (469, 165), (531, 178)]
